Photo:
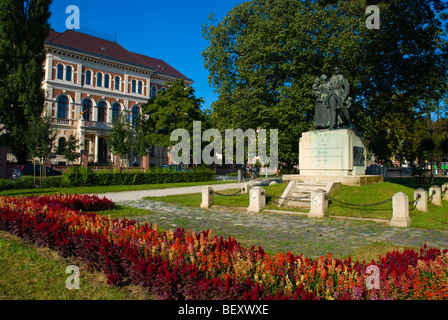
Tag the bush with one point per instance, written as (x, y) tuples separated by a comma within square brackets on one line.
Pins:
[(80, 177), (53, 182), (6, 184), (26, 182)]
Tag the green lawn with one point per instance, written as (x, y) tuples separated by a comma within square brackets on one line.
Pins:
[(31, 273), (435, 218), (105, 189), (228, 198), (367, 194)]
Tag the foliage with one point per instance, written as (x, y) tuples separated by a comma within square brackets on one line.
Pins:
[(70, 149), (183, 264), (23, 29), (78, 176), (264, 56), (175, 108), (41, 137), (121, 138)]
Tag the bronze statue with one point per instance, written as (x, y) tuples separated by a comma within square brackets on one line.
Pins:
[(332, 101)]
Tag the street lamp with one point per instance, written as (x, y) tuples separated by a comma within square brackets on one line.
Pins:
[(431, 131)]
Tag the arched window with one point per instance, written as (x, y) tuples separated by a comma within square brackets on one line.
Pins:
[(153, 91), (106, 81), (87, 109), (134, 85), (116, 109), (163, 89), (102, 111), (117, 83), (61, 145), (62, 107), (60, 72), (135, 115), (88, 78), (140, 87), (99, 79), (68, 73)]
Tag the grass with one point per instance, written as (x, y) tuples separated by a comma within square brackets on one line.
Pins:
[(436, 218), (104, 189), (374, 250), (121, 211), (366, 194), (32, 273), (227, 198), (416, 182), (28, 272)]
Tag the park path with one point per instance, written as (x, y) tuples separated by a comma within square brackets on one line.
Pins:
[(140, 194), (274, 231), (287, 231)]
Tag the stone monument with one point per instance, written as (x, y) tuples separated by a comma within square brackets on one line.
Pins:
[(335, 151)]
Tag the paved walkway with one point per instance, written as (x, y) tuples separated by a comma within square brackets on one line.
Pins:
[(275, 231), (138, 195), (287, 232)]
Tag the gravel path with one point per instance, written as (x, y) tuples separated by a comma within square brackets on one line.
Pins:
[(286, 232)]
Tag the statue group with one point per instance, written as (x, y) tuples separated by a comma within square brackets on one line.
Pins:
[(332, 101)]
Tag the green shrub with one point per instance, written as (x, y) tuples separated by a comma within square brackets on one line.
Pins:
[(53, 182), (6, 184), (26, 182), (79, 177)]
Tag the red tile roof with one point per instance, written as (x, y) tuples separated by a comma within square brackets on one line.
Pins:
[(104, 48)]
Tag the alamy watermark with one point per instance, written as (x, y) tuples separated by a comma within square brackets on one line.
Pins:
[(213, 152), (74, 19), (373, 280), (72, 281), (373, 20)]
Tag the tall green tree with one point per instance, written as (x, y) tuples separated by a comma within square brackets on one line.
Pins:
[(70, 149), (23, 29), (175, 108), (40, 140), (121, 138), (264, 55)]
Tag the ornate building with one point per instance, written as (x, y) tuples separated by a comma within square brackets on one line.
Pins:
[(90, 81)]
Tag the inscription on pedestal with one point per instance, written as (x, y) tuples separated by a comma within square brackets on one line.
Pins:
[(333, 152)]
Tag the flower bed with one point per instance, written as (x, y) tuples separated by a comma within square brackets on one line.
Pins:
[(182, 264)]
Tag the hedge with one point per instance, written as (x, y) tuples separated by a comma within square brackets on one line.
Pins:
[(81, 177)]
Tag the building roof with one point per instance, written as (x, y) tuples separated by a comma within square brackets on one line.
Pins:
[(84, 43)]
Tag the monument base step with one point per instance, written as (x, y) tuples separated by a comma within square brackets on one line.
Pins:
[(345, 180)]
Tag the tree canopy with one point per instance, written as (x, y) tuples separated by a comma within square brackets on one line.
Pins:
[(264, 56), (23, 29), (175, 108)]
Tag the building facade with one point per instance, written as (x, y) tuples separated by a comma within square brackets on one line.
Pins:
[(89, 82)]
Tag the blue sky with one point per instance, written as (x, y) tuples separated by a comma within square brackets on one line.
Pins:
[(170, 30)]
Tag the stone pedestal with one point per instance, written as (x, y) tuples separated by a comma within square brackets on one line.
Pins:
[(445, 191), (435, 192), (422, 202), (339, 152), (245, 188), (400, 205), (207, 197), (319, 204), (257, 200)]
